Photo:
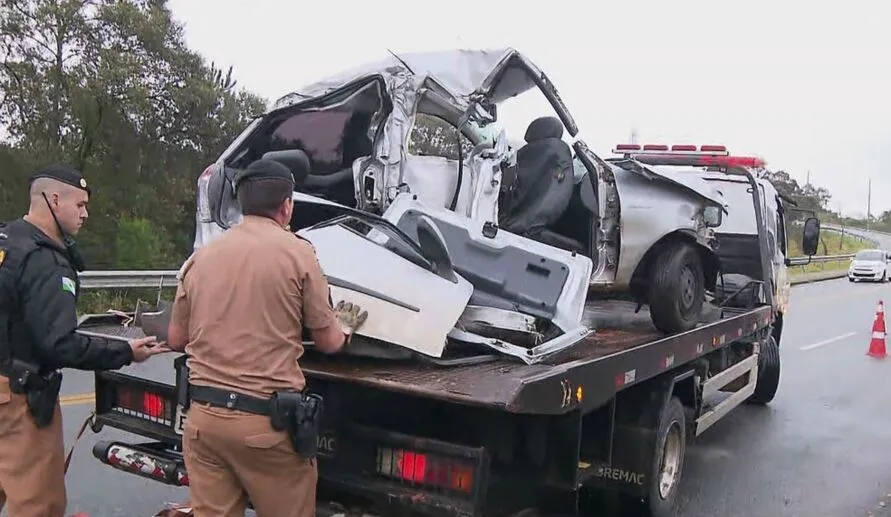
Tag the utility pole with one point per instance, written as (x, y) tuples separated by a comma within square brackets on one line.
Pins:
[(841, 221), (868, 201), (634, 136), (808, 177)]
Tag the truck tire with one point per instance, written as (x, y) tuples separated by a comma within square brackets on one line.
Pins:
[(658, 495), (677, 288), (668, 461), (768, 373)]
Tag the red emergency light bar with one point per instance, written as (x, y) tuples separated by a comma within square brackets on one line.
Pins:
[(676, 148), (703, 160), (687, 155)]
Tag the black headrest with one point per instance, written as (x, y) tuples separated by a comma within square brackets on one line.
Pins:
[(544, 127), (264, 168), (294, 159)]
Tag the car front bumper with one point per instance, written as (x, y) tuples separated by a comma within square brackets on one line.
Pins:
[(865, 275)]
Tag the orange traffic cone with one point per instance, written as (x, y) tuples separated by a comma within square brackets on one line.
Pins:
[(877, 343)]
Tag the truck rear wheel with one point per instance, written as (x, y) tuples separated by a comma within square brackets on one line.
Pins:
[(664, 479), (768, 373), (668, 461), (677, 288)]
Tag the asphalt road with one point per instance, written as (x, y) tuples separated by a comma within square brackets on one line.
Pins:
[(820, 449)]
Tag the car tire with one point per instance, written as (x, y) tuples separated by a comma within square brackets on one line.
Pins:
[(676, 288)]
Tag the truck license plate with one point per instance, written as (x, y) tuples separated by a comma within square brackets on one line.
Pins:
[(179, 420)]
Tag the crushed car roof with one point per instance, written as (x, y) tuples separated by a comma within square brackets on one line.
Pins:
[(461, 71)]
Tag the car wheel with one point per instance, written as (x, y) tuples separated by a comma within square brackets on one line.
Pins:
[(677, 288)]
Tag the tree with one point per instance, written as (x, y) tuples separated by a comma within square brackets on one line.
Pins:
[(807, 197), (111, 87)]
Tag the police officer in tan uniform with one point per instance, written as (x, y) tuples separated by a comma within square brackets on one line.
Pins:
[(241, 305), (39, 288)]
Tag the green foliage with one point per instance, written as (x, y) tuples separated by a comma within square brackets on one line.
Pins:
[(831, 243), (138, 245), (806, 197), (112, 88), (101, 300)]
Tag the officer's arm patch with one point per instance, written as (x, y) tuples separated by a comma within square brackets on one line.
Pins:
[(68, 286)]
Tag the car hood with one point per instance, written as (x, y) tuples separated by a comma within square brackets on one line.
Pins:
[(872, 264), (693, 183)]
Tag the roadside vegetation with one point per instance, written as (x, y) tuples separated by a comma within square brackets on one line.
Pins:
[(101, 300), (831, 243)]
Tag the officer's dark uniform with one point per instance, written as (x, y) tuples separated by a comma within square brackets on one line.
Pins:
[(38, 292)]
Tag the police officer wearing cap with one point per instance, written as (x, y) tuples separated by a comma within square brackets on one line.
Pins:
[(39, 288), (241, 306)]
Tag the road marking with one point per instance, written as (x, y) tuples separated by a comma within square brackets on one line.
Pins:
[(76, 400), (828, 341)]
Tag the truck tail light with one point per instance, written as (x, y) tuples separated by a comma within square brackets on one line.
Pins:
[(144, 404), (420, 468)]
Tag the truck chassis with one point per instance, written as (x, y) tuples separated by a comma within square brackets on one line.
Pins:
[(604, 424)]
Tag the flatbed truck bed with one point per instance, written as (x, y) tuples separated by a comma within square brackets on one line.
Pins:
[(608, 361), (599, 420)]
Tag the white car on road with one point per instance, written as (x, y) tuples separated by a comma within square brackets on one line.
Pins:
[(871, 264)]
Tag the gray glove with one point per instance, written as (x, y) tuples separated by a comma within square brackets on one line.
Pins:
[(350, 316)]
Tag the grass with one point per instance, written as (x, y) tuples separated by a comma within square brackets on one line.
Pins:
[(831, 243), (97, 301)]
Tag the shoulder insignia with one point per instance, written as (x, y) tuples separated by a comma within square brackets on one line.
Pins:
[(68, 285), (304, 239)]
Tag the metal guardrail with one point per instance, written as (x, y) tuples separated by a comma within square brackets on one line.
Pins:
[(816, 259), (120, 279)]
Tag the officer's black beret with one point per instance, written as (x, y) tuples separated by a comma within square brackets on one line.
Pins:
[(264, 169), (65, 173)]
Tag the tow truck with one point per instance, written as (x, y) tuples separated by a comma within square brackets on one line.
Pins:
[(600, 428)]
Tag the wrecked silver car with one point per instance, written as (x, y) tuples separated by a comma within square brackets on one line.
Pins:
[(483, 245)]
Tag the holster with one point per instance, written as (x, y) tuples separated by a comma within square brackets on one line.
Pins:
[(299, 415), (182, 381), (41, 391)]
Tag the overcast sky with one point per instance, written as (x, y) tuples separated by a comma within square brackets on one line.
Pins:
[(806, 87)]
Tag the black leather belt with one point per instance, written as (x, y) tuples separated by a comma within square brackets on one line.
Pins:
[(34, 378), (229, 399)]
